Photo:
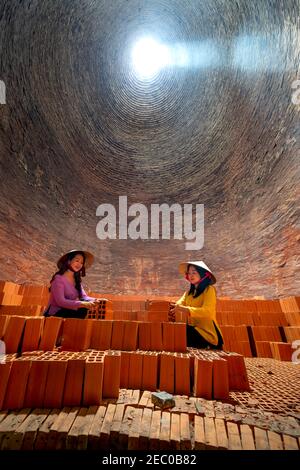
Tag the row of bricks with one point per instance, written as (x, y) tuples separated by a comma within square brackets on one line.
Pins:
[(120, 427), (232, 334), (9, 287), (276, 350), (143, 315), (289, 304), (32, 310), (241, 347), (34, 307), (131, 298), (152, 370), (20, 300), (106, 334), (248, 306), (41, 333), (293, 318), (53, 380), (223, 318), (257, 318)]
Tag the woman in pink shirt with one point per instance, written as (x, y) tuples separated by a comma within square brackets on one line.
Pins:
[(68, 298)]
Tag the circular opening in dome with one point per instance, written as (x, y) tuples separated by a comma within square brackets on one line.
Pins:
[(149, 57)]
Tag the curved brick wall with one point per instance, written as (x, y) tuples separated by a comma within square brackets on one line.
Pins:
[(218, 126)]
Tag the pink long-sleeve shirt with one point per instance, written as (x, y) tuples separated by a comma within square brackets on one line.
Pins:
[(64, 295)]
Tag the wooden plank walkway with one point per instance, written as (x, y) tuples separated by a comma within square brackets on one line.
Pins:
[(133, 425)]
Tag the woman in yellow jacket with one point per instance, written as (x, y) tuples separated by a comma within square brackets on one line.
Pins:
[(199, 305)]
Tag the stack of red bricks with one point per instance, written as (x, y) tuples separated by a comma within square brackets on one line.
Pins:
[(26, 300), (263, 328), (291, 308), (55, 379)]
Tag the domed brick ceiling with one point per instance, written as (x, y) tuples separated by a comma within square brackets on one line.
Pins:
[(175, 102)]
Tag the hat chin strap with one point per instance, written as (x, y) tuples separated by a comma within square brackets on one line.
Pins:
[(201, 279)]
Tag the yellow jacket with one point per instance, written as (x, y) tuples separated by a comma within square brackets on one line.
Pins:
[(203, 313)]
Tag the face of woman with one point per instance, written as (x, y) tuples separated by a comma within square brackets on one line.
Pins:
[(77, 262), (193, 275)]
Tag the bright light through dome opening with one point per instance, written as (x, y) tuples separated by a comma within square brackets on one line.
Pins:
[(149, 57)]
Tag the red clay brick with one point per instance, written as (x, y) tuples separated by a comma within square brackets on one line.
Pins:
[(13, 334), (130, 338), (124, 374), (203, 373), (16, 386), (55, 384), (74, 382), (4, 376), (32, 334), (150, 370), (117, 334), (135, 370), (111, 377), (180, 338), (36, 384), (93, 381), (156, 336), (220, 379), (182, 374), (167, 373), (144, 336), (101, 335), (168, 336), (50, 333)]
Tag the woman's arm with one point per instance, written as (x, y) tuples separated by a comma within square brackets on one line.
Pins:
[(85, 297), (58, 292), (181, 301)]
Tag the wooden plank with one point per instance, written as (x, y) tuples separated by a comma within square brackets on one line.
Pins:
[(290, 443), (275, 441), (3, 415), (17, 436), (199, 433), (106, 425), (144, 398), (247, 437), (185, 434), (41, 440), (116, 425), (155, 430), (221, 434), (211, 442), (261, 439), (135, 398), (125, 427), (165, 429), (78, 423), (60, 421), (233, 436), (95, 430), (209, 409), (175, 431), (145, 429), (134, 432), (84, 430), (9, 425), (64, 428), (37, 417)]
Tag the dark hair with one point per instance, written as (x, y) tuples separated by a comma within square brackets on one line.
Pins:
[(196, 291), (65, 266)]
